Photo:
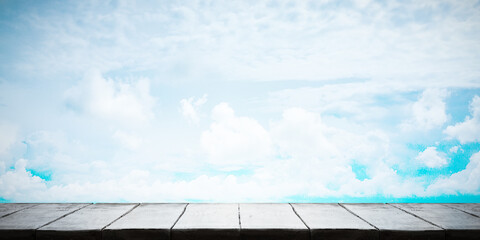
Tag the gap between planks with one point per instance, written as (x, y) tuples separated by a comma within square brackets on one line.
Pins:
[(350, 211)]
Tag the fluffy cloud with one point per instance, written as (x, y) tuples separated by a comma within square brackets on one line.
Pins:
[(127, 140), (303, 134), (463, 182), (307, 151), (126, 102), (297, 155), (352, 99), (19, 184), (235, 141), (66, 159), (318, 166), (8, 137), (385, 181), (141, 185), (454, 149), (189, 108), (349, 71), (429, 111), (468, 130), (432, 158), (136, 186), (312, 151)]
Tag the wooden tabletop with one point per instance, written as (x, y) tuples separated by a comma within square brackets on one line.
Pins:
[(181, 221)]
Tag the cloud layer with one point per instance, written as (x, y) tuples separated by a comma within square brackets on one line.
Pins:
[(468, 130), (236, 101)]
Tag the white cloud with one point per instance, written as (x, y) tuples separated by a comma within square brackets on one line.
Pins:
[(463, 182), (68, 159), (454, 149), (126, 102), (8, 137), (429, 111), (127, 140), (362, 3), (189, 108), (21, 184), (370, 55), (468, 130), (367, 101), (432, 158), (141, 185), (2, 167), (302, 134), (302, 40), (313, 151), (235, 141), (137, 185), (272, 182), (385, 181)]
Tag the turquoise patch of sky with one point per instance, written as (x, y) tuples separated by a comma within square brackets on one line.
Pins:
[(359, 170), (458, 103), (457, 159), (45, 175)]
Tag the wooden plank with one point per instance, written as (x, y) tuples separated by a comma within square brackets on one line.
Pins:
[(331, 221), (9, 208), (86, 223), (147, 221), (208, 221), (458, 225), (22, 224), (244, 221), (271, 221), (394, 223), (472, 208)]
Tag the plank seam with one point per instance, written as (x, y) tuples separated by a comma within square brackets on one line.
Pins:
[(138, 204), (452, 207), (444, 230), (415, 215), (21, 209), (358, 216), (309, 230), (63, 216), (181, 214), (239, 218), (35, 232)]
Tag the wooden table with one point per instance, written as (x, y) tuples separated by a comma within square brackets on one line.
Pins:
[(279, 221)]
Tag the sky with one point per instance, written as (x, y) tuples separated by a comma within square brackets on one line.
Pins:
[(240, 101)]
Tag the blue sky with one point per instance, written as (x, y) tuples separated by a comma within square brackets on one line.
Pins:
[(237, 101)]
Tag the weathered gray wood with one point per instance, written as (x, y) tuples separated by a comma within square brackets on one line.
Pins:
[(472, 208), (331, 221), (394, 223), (86, 223), (257, 221), (271, 221), (447, 218), (147, 221), (22, 224), (208, 221), (9, 208)]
